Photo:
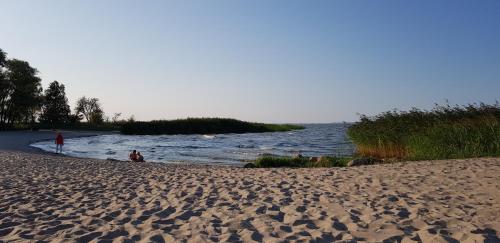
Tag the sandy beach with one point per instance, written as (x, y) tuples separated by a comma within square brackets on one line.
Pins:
[(249, 121), (62, 199)]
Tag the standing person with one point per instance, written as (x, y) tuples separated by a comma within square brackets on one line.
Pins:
[(59, 142)]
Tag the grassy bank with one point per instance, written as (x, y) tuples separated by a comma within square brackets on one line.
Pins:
[(302, 162), (442, 133), (201, 126)]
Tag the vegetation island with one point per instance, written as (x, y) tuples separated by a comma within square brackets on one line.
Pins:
[(202, 126)]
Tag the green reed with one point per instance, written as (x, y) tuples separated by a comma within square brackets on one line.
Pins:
[(443, 132)]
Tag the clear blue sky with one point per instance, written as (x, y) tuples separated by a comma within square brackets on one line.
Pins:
[(269, 61)]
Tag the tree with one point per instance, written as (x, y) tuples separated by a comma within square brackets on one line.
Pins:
[(97, 117), (91, 109), (5, 89), (74, 118), (55, 108), (21, 93), (116, 117), (3, 58)]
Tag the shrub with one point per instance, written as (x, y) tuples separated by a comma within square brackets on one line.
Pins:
[(271, 161), (331, 162)]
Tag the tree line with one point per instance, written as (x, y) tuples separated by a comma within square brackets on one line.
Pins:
[(23, 102)]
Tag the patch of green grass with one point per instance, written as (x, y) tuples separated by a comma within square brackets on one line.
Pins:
[(327, 161), (441, 133), (201, 126), (302, 162)]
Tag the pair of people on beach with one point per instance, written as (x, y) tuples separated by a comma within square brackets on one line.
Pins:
[(136, 156)]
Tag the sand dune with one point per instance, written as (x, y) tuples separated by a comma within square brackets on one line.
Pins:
[(61, 199)]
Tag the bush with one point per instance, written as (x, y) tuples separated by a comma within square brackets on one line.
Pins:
[(444, 132), (271, 161), (201, 126), (331, 162)]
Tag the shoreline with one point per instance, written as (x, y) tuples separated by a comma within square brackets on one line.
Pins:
[(220, 149), (58, 198), (20, 141)]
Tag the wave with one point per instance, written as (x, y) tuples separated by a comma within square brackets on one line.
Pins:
[(245, 146)]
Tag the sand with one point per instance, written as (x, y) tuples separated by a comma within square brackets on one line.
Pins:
[(63, 199)]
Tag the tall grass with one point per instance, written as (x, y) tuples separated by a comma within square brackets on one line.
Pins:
[(443, 132), (201, 126), (467, 138)]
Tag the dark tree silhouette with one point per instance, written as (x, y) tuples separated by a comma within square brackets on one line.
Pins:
[(55, 108), (20, 95), (3, 58), (5, 89), (91, 109), (27, 95)]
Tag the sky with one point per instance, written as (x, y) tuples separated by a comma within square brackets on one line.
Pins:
[(266, 61)]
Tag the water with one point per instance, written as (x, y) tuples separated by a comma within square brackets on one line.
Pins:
[(314, 140)]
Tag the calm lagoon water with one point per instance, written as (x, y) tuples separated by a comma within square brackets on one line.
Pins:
[(235, 149)]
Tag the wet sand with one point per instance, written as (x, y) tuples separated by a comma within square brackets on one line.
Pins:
[(63, 199)]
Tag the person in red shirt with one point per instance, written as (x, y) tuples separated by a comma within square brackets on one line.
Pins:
[(59, 142)]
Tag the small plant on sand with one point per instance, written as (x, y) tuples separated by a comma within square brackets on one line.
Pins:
[(328, 161)]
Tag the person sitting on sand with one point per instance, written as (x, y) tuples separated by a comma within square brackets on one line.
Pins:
[(59, 142), (133, 156), (140, 158)]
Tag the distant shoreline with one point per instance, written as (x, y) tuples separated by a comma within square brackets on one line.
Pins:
[(202, 126)]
